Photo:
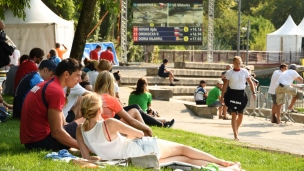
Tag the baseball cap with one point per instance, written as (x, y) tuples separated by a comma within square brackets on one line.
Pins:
[(49, 64), (220, 82), (293, 66)]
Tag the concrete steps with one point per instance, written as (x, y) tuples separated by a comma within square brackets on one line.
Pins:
[(203, 66), (165, 81), (188, 72)]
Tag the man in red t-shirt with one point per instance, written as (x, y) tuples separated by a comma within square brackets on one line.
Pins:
[(42, 124), (108, 55), (29, 65), (94, 53)]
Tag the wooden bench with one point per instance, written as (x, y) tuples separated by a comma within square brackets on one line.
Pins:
[(202, 110)]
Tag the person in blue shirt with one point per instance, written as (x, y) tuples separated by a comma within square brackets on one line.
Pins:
[(54, 57), (200, 94), (45, 71)]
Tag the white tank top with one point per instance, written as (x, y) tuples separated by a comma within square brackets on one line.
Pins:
[(119, 148)]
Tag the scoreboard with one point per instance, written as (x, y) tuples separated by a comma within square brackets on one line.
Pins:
[(167, 22), (167, 35)]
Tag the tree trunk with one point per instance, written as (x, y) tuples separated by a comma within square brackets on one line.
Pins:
[(82, 30)]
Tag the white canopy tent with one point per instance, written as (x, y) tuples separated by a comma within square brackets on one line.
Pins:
[(301, 25), (288, 38), (41, 28)]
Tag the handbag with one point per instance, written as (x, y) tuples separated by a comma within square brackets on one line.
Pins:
[(149, 161)]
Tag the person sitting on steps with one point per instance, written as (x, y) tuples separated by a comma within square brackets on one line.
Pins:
[(163, 72), (103, 138), (200, 94)]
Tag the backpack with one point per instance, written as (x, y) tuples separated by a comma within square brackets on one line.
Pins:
[(7, 48)]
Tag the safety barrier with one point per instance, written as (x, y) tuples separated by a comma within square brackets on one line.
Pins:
[(263, 103)]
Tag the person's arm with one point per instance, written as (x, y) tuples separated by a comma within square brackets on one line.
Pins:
[(299, 78), (224, 89), (85, 151), (115, 126), (64, 47), (55, 118), (135, 123), (251, 87)]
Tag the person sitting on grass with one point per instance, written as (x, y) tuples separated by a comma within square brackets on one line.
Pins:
[(45, 71), (84, 77), (143, 98), (214, 97), (200, 94), (42, 125), (86, 85), (163, 72), (103, 137)]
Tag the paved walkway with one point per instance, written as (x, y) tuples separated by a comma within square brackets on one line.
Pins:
[(287, 137)]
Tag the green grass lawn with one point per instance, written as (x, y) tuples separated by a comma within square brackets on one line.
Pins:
[(13, 156)]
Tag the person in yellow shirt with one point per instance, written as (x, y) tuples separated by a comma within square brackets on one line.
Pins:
[(60, 51)]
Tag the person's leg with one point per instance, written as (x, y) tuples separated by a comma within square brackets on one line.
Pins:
[(225, 108), (149, 120), (171, 151), (279, 106), (234, 124), (293, 101), (239, 121), (171, 78), (134, 113)]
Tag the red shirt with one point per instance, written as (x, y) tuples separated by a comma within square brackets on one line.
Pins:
[(94, 55), (34, 125), (24, 68), (108, 55), (110, 106)]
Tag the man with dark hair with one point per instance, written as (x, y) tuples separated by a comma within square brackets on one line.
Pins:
[(35, 57), (163, 72), (60, 51), (9, 83), (286, 87), (108, 55), (273, 85), (45, 71), (42, 123), (94, 53), (54, 56)]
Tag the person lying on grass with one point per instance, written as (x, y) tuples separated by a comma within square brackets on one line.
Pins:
[(104, 139)]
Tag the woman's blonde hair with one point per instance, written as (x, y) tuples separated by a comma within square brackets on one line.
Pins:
[(105, 83), (104, 65), (237, 57), (90, 104)]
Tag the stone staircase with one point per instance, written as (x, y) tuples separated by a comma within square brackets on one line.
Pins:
[(189, 74)]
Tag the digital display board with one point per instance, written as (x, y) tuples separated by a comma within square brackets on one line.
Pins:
[(167, 22)]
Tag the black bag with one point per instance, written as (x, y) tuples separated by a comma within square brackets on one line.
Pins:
[(7, 48)]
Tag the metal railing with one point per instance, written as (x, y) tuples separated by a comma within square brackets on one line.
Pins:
[(264, 101), (255, 57)]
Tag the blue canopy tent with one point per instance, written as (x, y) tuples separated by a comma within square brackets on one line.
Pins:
[(91, 46)]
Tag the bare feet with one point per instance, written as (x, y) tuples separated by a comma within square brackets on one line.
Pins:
[(236, 139), (231, 166)]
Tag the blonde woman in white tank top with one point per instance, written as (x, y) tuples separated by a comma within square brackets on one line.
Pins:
[(104, 139)]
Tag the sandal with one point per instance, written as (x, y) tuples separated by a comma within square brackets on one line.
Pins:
[(221, 117), (226, 118), (293, 111)]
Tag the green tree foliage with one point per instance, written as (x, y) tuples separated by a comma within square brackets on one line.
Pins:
[(276, 11), (16, 6), (65, 9)]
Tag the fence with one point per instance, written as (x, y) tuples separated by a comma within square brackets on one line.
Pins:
[(264, 101), (262, 57)]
